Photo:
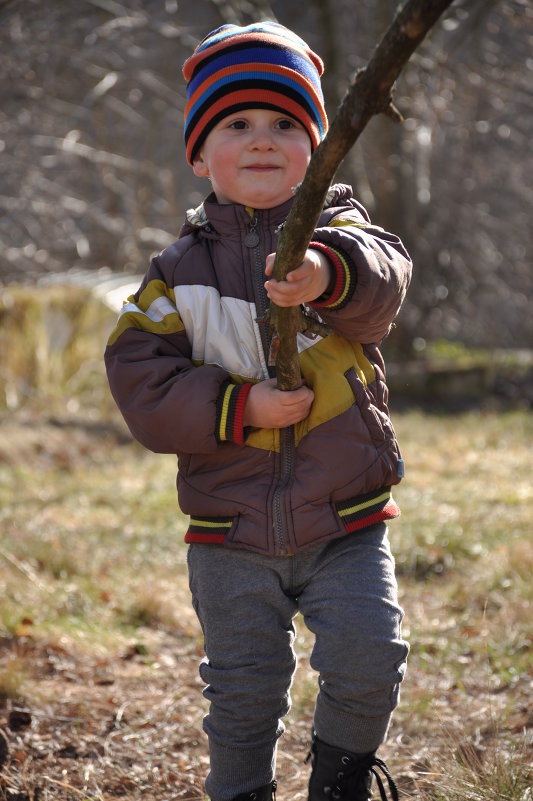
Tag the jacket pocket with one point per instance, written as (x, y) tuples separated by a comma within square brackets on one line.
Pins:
[(376, 421), (380, 430)]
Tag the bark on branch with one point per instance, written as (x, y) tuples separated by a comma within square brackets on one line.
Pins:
[(370, 94)]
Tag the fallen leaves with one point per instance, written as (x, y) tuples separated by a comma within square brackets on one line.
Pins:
[(137, 737)]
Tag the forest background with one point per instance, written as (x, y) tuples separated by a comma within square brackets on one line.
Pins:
[(99, 694), (93, 173)]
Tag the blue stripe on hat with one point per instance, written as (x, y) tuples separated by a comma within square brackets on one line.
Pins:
[(269, 79), (259, 53)]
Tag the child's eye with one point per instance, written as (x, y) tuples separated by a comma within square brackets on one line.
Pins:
[(286, 124), (238, 125)]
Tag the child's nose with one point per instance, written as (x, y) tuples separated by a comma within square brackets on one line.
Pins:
[(263, 140)]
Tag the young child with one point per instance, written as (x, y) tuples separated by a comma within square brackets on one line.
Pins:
[(287, 492)]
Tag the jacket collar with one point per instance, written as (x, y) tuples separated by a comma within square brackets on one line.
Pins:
[(225, 219)]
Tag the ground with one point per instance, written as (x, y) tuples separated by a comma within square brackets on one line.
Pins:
[(116, 711)]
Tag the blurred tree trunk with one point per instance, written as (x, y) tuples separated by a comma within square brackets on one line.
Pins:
[(370, 94)]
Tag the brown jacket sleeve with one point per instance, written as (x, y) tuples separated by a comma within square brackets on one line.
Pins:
[(168, 403)]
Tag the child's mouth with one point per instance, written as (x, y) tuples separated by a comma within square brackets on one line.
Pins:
[(261, 167)]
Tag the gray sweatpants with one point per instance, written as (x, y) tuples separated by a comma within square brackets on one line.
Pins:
[(347, 594)]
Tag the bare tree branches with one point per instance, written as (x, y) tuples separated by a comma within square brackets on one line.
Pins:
[(370, 94), (466, 93)]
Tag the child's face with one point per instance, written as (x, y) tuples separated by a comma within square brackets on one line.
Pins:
[(254, 157)]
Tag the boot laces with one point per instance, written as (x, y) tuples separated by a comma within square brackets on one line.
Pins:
[(369, 764), (376, 765)]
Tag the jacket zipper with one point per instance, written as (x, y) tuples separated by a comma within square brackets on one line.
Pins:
[(286, 435), (279, 509), (252, 241)]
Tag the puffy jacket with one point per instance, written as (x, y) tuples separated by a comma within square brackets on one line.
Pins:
[(193, 339)]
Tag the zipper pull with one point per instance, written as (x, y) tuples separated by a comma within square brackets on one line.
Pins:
[(251, 238)]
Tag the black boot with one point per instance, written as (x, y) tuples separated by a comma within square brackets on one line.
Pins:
[(339, 774), (266, 793)]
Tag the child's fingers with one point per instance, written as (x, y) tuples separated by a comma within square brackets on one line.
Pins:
[(269, 263), (278, 294), (302, 271), (296, 404), (284, 293), (296, 397)]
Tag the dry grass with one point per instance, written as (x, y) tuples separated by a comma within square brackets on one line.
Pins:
[(99, 645)]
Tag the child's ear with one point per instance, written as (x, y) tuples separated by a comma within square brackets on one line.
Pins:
[(200, 167)]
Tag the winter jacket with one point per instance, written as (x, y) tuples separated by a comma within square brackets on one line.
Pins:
[(191, 342)]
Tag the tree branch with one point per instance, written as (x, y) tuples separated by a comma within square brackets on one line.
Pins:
[(370, 94)]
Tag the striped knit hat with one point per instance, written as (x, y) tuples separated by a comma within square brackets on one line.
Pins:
[(263, 65)]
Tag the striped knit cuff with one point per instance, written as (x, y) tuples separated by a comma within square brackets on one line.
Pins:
[(230, 412), (367, 510), (342, 284), (208, 530)]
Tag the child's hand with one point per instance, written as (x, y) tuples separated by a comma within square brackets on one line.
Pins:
[(304, 284), (268, 407)]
